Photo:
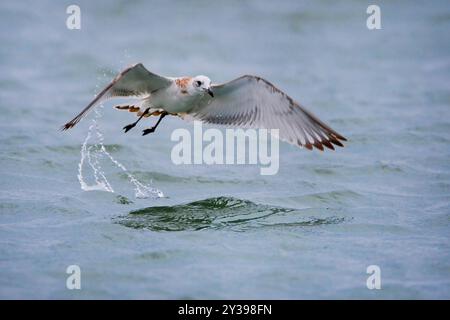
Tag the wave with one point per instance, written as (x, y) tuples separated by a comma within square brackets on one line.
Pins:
[(220, 213)]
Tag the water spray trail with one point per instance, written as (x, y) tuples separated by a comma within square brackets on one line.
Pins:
[(100, 178), (141, 190), (93, 155)]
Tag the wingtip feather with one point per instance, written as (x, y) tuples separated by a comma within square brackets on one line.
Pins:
[(67, 126)]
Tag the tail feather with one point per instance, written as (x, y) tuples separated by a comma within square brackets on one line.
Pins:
[(130, 108), (133, 108)]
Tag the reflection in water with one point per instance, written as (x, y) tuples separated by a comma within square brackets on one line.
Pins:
[(219, 213)]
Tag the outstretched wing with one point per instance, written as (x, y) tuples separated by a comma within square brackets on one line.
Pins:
[(253, 102), (135, 81)]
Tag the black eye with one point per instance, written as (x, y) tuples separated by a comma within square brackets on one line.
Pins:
[(198, 83)]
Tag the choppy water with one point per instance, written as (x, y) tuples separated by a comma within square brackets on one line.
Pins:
[(225, 231)]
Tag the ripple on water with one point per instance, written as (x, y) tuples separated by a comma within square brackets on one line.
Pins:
[(220, 213), (332, 198), (163, 177), (123, 200), (70, 149)]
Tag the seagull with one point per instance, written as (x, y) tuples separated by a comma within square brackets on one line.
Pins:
[(245, 102)]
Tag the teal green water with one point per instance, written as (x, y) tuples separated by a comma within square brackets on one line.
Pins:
[(225, 231)]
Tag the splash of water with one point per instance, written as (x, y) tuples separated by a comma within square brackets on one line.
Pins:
[(94, 153)]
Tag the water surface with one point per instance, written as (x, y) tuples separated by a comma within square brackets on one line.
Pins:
[(225, 231)]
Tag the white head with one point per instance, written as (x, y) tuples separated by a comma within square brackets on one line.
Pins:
[(202, 84)]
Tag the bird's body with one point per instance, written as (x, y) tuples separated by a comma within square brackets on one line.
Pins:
[(247, 102), (175, 98)]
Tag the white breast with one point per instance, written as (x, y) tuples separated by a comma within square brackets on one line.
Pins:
[(173, 100)]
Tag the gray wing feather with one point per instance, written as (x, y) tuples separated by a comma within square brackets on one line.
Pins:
[(135, 81), (253, 102)]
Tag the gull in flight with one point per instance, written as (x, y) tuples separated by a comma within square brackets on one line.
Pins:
[(245, 102)]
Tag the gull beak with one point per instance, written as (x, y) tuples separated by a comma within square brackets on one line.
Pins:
[(210, 92)]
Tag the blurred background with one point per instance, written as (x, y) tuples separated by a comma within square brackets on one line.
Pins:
[(225, 231)]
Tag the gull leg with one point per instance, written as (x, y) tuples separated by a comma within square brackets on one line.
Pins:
[(132, 125), (152, 129)]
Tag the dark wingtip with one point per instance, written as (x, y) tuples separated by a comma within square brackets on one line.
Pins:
[(336, 142), (67, 126), (328, 144), (318, 145)]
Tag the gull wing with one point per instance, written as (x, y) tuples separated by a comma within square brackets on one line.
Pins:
[(253, 102), (135, 81)]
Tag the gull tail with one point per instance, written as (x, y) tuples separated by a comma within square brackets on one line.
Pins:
[(132, 108), (129, 108)]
